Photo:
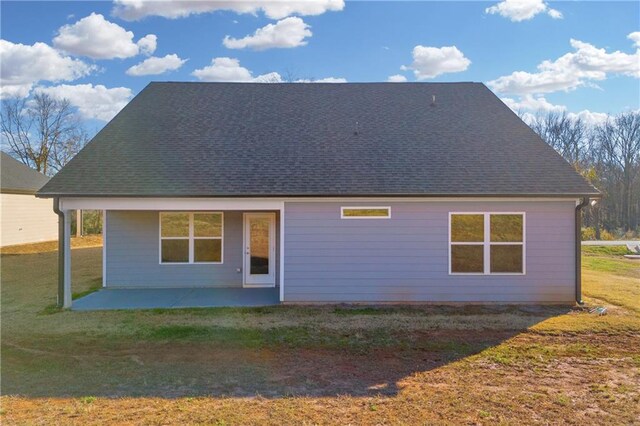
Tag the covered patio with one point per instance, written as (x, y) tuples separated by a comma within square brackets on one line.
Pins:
[(139, 272), (172, 298)]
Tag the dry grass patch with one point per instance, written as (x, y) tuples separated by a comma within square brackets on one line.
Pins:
[(318, 365), (87, 241)]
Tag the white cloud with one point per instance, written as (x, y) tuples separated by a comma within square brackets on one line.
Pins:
[(322, 80), (223, 69), (529, 107), (522, 10), (92, 101), (24, 65), (95, 37), (287, 33), (331, 80), (532, 103), (584, 66), (555, 14), (132, 10), (279, 9), (397, 78), (230, 70), (635, 37), (155, 65), (148, 44), (270, 77), (590, 118), (430, 62)]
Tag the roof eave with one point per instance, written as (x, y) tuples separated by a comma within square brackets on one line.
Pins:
[(329, 195), (18, 191)]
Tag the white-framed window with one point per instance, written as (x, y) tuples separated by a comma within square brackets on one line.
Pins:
[(191, 237), (365, 212), (487, 243)]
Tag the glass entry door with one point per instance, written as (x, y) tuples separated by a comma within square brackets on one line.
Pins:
[(259, 249)]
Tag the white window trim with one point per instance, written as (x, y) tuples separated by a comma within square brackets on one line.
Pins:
[(191, 239), (487, 243), (343, 208)]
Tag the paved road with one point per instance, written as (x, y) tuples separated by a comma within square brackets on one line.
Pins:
[(609, 243)]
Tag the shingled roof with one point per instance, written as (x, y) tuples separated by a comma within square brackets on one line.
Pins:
[(17, 178), (353, 139)]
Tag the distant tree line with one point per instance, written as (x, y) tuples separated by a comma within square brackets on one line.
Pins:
[(608, 155)]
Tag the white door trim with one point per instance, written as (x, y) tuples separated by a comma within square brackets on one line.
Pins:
[(270, 279)]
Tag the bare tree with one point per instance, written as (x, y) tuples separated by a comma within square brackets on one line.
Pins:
[(566, 135), (290, 76), (43, 132), (617, 146), (608, 155)]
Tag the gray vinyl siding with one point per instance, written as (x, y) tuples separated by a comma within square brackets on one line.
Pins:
[(132, 244), (405, 258)]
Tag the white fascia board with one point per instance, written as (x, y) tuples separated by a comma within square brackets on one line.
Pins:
[(165, 204), (190, 204)]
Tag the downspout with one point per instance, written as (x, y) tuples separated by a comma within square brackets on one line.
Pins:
[(578, 238), (60, 213)]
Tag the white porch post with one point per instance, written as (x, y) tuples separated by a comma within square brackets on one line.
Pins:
[(104, 248), (79, 225), (67, 259), (282, 252)]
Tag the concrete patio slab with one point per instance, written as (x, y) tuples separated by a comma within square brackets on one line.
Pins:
[(152, 298)]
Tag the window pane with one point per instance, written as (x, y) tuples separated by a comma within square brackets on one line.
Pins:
[(467, 258), (175, 224), (207, 225), (506, 258), (506, 228), (467, 228), (175, 251), (259, 245), (207, 250), (365, 212)]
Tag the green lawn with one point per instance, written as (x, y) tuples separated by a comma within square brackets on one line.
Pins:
[(328, 364)]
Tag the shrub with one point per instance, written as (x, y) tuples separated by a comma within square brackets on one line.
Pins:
[(588, 234), (606, 235)]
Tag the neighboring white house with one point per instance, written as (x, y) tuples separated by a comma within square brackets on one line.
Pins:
[(23, 217)]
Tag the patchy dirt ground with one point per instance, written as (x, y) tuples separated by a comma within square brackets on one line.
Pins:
[(536, 379), (325, 365)]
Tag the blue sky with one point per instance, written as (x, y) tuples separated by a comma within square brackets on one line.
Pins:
[(592, 48)]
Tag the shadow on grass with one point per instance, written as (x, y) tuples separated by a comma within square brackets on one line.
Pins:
[(177, 360)]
